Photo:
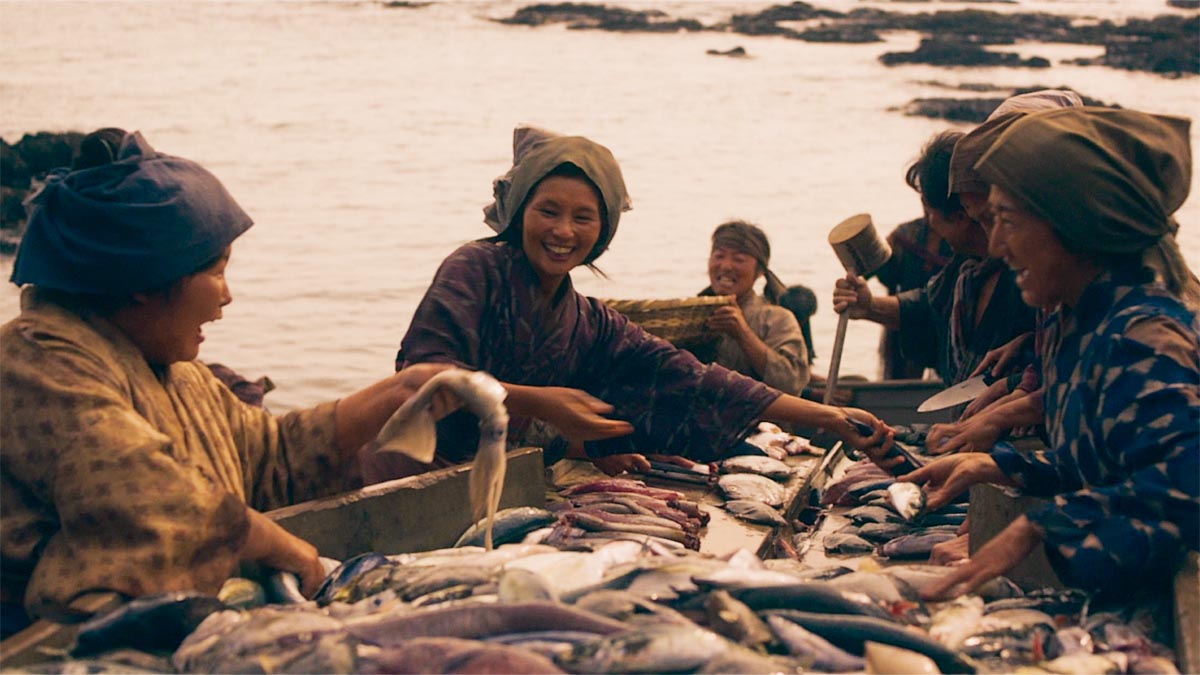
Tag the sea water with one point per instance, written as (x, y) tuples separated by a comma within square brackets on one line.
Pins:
[(363, 141)]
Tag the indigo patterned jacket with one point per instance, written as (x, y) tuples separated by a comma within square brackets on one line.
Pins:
[(928, 316), (1122, 397), (484, 311)]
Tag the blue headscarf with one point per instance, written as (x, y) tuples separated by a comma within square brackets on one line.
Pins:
[(133, 225)]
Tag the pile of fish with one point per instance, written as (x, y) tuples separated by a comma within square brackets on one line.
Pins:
[(624, 605), (779, 444), (607, 579), (614, 508), (887, 517)]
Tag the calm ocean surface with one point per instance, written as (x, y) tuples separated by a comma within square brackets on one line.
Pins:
[(363, 141)]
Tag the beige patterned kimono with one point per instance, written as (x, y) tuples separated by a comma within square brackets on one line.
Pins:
[(120, 477), (787, 359)]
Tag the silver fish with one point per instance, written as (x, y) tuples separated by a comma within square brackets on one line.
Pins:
[(668, 648), (802, 642), (411, 430), (915, 545), (242, 593), (840, 542), (735, 620), (908, 498), (751, 486), (754, 511), (763, 466)]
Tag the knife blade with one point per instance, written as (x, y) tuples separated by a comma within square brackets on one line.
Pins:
[(967, 390)]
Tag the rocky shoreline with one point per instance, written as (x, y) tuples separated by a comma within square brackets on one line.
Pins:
[(1165, 44)]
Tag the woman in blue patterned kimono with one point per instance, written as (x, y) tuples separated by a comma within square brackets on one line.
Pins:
[(128, 466), (506, 305), (1083, 199)]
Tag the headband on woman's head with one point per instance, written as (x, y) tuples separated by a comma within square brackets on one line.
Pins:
[(739, 235)]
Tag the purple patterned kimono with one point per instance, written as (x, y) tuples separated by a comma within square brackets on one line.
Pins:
[(484, 311)]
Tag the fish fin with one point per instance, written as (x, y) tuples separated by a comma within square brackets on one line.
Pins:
[(413, 434)]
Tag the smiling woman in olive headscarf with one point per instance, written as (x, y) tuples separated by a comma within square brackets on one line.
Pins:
[(1083, 200), (507, 305)]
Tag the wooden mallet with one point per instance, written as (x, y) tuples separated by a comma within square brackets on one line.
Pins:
[(862, 253)]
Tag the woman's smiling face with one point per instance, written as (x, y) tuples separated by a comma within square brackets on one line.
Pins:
[(1047, 273), (560, 227), (732, 272)]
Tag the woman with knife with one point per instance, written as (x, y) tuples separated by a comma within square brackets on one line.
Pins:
[(1083, 199), (970, 306)]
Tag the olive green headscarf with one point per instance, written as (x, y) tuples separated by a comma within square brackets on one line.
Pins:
[(969, 148), (1107, 181), (537, 152)]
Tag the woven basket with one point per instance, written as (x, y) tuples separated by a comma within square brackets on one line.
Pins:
[(680, 322)]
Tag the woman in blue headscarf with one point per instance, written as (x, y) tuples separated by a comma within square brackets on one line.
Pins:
[(128, 466)]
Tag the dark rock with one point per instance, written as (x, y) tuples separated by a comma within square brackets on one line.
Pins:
[(767, 21), (404, 4), (586, 16), (738, 52), (21, 167), (976, 110), (972, 110), (45, 150), (12, 217), (852, 34), (14, 172), (1164, 45), (1184, 4), (943, 52)]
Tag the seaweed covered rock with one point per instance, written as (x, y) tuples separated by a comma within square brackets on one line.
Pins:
[(766, 22), (1164, 45), (21, 166), (587, 16), (847, 33), (955, 52), (738, 52), (976, 110)]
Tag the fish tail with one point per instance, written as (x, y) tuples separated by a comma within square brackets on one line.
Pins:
[(487, 476)]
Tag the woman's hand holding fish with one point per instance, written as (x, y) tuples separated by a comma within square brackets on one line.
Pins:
[(618, 464), (997, 557), (413, 377), (977, 434), (950, 476), (362, 414), (875, 445), (272, 546), (953, 552), (574, 412)]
